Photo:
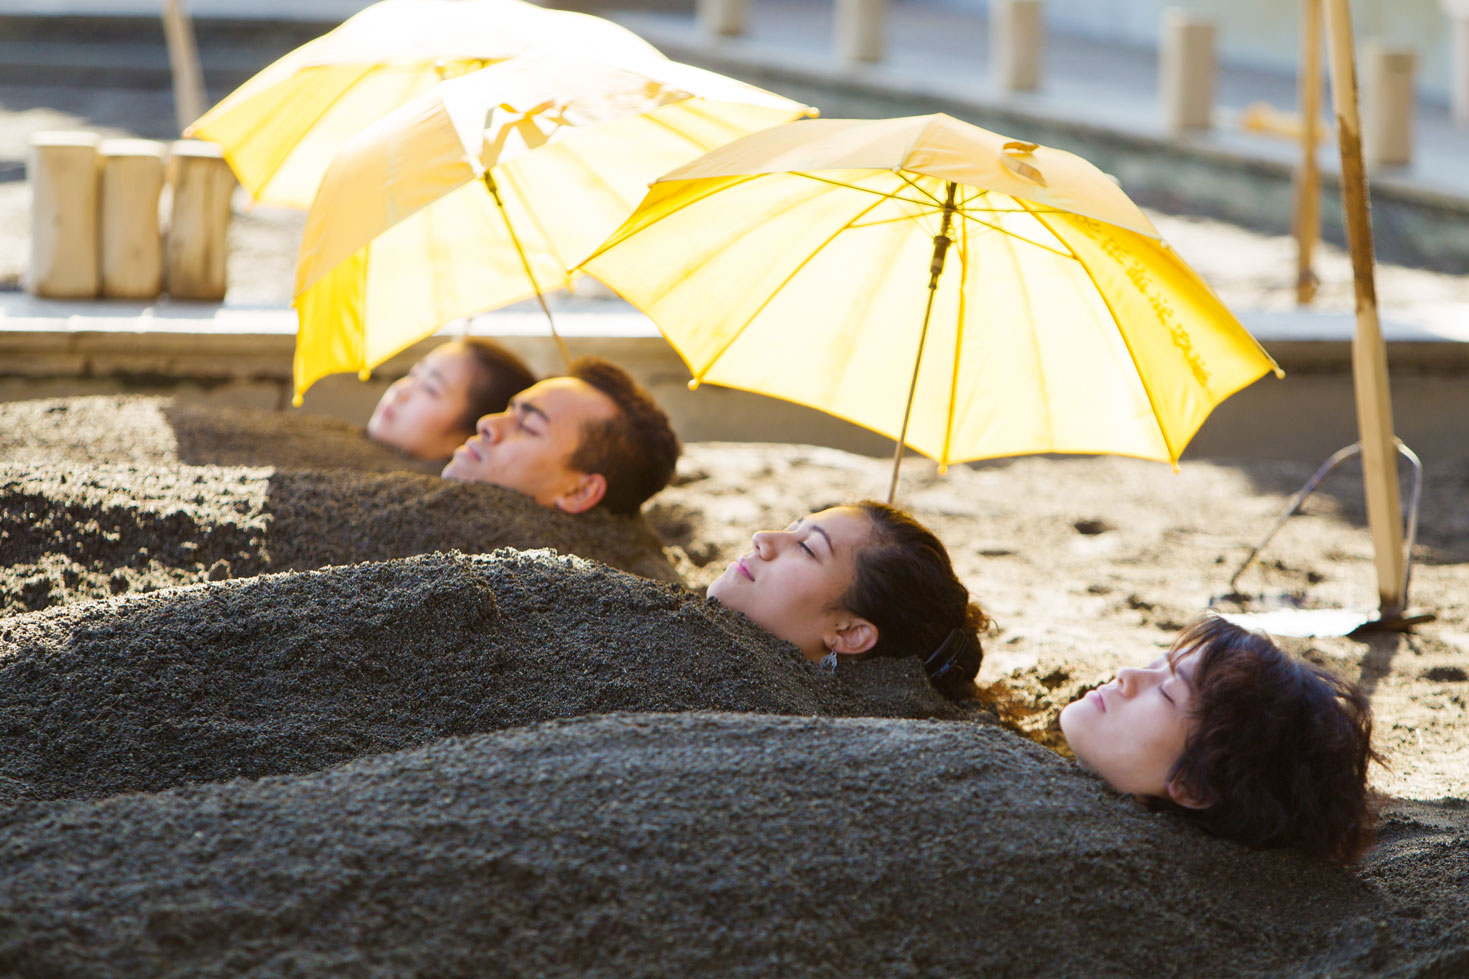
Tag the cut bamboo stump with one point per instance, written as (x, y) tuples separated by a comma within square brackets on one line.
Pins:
[(62, 172), (1457, 12), (198, 231), (860, 27), (1388, 102), (132, 249), (1186, 69), (1017, 39), (722, 18)]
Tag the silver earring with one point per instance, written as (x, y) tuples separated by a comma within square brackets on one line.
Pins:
[(829, 661)]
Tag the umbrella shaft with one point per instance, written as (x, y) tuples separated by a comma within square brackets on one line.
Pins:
[(941, 243)]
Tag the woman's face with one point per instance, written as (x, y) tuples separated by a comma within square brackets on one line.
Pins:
[(423, 413), (790, 581), (1132, 731)]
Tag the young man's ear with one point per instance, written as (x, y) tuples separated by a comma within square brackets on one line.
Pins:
[(584, 494), (850, 636), (1183, 795)]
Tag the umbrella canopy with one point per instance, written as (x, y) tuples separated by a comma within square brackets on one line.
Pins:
[(484, 191), (793, 263), (281, 128)]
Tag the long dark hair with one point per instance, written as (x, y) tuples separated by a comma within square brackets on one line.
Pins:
[(905, 586), (1280, 748), (499, 375)]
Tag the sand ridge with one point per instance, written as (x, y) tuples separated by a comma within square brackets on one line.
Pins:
[(688, 844), (297, 672)]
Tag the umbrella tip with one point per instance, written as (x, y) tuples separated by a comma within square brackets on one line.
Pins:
[(296, 400), (365, 374), (694, 384)]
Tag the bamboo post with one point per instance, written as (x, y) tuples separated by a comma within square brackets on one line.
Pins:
[(1017, 37), (1457, 12), (132, 248), (183, 59), (860, 27), (1307, 217), (62, 171), (198, 229), (1369, 353)]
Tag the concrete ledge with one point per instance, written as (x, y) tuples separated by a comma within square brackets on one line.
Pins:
[(241, 356)]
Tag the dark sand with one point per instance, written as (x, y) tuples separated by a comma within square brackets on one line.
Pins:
[(297, 672), (669, 844), (696, 845), (117, 512)]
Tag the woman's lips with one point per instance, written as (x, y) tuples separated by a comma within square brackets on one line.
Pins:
[(1095, 696), (740, 566)]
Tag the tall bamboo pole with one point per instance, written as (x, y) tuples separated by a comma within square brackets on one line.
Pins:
[(183, 58), (1369, 353), (1307, 220)]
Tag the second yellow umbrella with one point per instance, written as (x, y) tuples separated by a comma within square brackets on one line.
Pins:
[(793, 263), (281, 128), (484, 191)]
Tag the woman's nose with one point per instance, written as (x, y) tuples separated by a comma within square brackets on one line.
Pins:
[(766, 542)]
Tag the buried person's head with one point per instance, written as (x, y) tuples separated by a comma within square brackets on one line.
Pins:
[(865, 579), (592, 437), (433, 409), (1251, 744)]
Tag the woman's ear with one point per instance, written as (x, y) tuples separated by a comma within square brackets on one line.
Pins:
[(850, 636), (585, 494), (1184, 796)]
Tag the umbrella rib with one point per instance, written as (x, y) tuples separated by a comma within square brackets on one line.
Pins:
[(847, 225), (1122, 334), (867, 190), (958, 347), (1010, 234), (624, 232)]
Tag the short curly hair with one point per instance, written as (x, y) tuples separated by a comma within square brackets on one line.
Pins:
[(636, 450), (1279, 750)]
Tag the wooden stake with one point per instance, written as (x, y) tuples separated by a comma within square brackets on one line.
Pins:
[(1307, 219), (183, 58), (1369, 353)]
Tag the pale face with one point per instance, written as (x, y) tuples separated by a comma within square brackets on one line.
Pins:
[(791, 580), (1132, 730), (528, 447), (423, 413)]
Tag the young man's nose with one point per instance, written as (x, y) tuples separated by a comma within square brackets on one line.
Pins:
[(489, 427)]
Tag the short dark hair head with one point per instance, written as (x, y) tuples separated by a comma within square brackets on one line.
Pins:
[(905, 586), (499, 375), (1279, 753), (636, 450)]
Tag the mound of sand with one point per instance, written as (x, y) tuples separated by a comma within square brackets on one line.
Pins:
[(69, 534), (689, 845), (297, 672), (157, 431)]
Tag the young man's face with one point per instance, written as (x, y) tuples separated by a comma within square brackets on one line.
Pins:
[(528, 447)]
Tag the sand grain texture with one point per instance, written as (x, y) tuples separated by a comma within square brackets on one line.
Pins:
[(298, 672), (681, 845)]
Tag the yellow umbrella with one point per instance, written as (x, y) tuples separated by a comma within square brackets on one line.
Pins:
[(281, 128), (792, 263), (483, 192)]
